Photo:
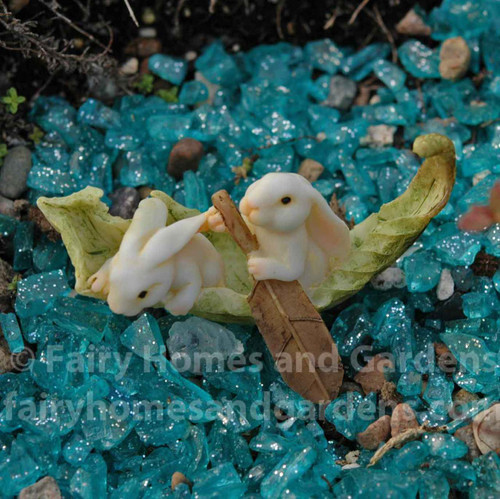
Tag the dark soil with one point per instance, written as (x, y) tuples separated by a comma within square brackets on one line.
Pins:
[(71, 48)]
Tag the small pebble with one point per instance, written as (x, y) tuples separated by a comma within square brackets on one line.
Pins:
[(6, 294), (14, 172), (311, 169), (412, 24), (125, 202), (7, 207), (143, 47), (371, 377), (402, 419), (185, 155), (466, 434), (148, 32), (341, 92), (148, 16), (392, 277), (46, 488), (454, 58), (446, 285), (379, 136), (130, 67), (376, 433), (178, 478), (190, 55)]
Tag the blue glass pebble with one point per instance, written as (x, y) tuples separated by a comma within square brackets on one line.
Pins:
[(168, 68)]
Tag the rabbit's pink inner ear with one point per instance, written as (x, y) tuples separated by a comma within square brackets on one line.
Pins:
[(327, 230)]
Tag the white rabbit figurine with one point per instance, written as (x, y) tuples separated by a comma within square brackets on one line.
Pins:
[(299, 235), (158, 264)]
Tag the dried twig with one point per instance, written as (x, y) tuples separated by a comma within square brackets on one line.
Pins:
[(131, 12), (279, 12), (355, 14), (402, 438), (380, 21), (54, 8), (331, 20)]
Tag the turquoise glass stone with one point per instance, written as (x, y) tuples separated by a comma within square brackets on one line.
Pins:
[(168, 68), (195, 193), (94, 113), (324, 55), (293, 465), (157, 428), (419, 60), (479, 305), (438, 393), (193, 92), (433, 485), (453, 246), (389, 319), (218, 67), (275, 159), (49, 255), (364, 59), (36, 293), (170, 127), (12, 332), (76, 449), (221, 481), (90, 480), (197, 345), (492, 240), (390, 75), (422, 272), (226, 446), (410, 384), (496, 280), (351, 328), (23, 246), (444, 445), (143, 337), (351, 413), (8, 226)]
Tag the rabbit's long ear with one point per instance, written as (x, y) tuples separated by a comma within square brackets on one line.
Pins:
[(151, 215), (168, 241), (327, 230)]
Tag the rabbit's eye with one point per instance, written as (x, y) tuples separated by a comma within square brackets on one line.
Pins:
[(142, 294), (286, 200)]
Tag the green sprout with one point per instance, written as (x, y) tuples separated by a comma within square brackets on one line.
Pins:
[(169, 95), (12, 100), (145, 84), (3, 152), (36, 135), (12, 286)]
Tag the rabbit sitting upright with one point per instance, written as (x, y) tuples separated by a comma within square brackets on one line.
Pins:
[(159, 264), (299, 235)]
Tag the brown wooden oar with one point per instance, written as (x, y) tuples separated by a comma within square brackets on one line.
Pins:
[(303, 349)]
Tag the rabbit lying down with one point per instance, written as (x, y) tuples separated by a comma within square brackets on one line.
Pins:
[(300, 237), (158, 264)]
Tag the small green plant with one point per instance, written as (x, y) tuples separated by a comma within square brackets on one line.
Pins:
[(145, 83), (12, 100), (36, 135), (169, 95), (12, 286), (3, 152)]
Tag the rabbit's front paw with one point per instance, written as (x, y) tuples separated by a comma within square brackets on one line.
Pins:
[(99, 282), (260, 268), (215, 221)]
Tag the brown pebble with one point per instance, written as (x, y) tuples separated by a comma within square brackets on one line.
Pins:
[(144, 191), (466, 435), (445, 360), (6, 291), (178, 478), (375, 434), (454, 58), (46, 488), (402, 419), (389, 394), (371, 377), (185, 155), (143, 47), (311, 169), (412, 24)]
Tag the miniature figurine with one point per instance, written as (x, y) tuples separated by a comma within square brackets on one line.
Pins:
[(300, 237), (159, 264)]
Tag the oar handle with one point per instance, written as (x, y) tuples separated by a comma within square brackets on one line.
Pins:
[(234, 222)]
